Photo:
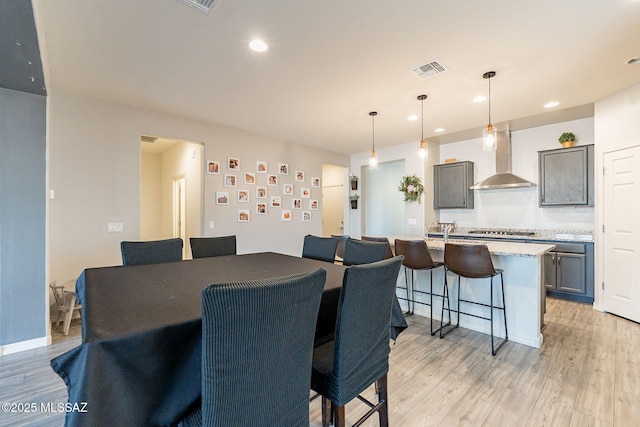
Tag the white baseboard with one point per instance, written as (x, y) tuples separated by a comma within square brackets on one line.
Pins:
[(25, 345)]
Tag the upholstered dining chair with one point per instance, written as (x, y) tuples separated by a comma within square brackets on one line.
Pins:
[(206, 247), (359, 355), (66, 304), (389, 253), (320, 248), (358, 252), (256, 362), (151, 252), (342, 239)]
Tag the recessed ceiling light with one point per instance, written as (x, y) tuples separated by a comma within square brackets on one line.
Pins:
[(551, 104), (258, 45), (412, 118), (439, 130), (634, 61), (479, 98)]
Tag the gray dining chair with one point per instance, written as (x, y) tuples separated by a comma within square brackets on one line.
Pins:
[(256, 362), (358, 252), (320, 248), (389, 253), (206, 247), (151, 252), (342, 239), (359, 355)]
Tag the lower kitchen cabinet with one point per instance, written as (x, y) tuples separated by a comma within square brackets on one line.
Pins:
[(568, 271)]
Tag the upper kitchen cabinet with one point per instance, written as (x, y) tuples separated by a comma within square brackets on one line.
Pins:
[(451, 183), (566, 177)]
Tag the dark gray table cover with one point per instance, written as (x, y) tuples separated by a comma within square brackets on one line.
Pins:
[(139, 363)]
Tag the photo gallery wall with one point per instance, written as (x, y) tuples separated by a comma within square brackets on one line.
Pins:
[(280, 190)]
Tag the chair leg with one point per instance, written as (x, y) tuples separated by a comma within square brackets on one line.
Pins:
[(67, 321), (326, 412), (383, 412), (339, 419), (504, 309)]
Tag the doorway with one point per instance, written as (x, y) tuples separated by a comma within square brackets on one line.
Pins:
[(621, 237), (171, 190), (333, 199)]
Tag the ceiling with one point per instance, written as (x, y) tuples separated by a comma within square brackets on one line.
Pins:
[(331, 62)]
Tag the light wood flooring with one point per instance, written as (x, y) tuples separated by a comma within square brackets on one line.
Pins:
[(587, 373)]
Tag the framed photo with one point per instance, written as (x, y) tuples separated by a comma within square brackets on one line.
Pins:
[(306, 216), (249, 178), (276, 201), (315, 182), (297, 204), (229, 180), (287, 189), (213, 167), (243, 215), (222, 197), (243, 196), (305, 193), (272, 180), (285, 215), (283, 168), (299, 176), (233, 164), (261, 167), (313, 205), (261, 208), (261, 192)]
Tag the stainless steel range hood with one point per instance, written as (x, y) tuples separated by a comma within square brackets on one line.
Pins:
[(503, 178)]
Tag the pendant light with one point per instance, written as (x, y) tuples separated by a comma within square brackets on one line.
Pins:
[(489, 134), (422, 148), (373, 159)]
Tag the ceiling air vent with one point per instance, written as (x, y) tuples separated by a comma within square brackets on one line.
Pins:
[(148, 139), (204, 6), (428, 70)]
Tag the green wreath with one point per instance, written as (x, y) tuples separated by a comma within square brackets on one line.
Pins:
[(412, 188)]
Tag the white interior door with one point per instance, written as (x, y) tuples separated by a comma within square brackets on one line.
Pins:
[(621, 256)]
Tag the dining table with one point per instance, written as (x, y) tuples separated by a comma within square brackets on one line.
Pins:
[(139, 363)]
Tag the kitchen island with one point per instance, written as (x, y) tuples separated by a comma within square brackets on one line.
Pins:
[(523, 288)]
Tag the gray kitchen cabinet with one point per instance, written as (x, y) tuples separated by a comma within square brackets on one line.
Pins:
[(566, 177), (568, 271), (451, 182)]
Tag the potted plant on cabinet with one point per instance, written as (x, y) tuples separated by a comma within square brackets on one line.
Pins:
[(354, 182), (354, 200), (567, 139)]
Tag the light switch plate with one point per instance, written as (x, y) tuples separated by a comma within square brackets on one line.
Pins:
[(211, 225), (412, 221), (115, 227)]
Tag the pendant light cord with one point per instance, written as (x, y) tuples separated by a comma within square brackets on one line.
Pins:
[(422, 119), (489, 99)]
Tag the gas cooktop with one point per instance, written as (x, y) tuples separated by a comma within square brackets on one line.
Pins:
[(503, 233)]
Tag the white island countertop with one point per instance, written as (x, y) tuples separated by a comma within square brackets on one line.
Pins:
[(496, 248)]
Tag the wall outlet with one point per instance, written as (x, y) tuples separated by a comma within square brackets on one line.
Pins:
[(211, 225), (412, 221), (115, 227)]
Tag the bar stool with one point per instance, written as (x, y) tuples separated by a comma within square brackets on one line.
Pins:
[(417, 257), (473, 262)]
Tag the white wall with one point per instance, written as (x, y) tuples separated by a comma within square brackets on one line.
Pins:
[(422, 212), (150, 196), (94, 167), (518, 208), (617, 125)]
